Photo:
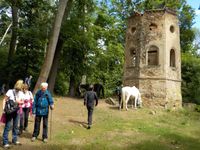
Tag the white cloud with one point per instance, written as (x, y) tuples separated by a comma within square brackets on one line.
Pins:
[(197, 12)]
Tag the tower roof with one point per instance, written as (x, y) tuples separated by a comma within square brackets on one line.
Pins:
[(166, 9)]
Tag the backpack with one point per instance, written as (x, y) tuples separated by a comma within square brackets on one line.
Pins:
[(42, 100), (11, 106)]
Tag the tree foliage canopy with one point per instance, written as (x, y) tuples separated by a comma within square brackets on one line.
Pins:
[(93, 37)]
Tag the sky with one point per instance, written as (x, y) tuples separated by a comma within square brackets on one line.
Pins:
[(195, 4)]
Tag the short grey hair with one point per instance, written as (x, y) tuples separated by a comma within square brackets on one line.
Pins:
[(44, 84)]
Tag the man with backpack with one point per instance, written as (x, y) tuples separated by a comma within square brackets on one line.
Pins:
[(42, 101)]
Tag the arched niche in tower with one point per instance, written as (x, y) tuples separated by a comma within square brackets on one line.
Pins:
[(132, 57), (172, 60), (172, 29), (153, 55), (133, 30)]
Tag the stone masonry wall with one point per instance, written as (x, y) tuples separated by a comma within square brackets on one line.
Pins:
[(160, 85)]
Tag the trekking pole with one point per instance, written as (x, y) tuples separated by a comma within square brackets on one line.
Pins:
[(51, 123)]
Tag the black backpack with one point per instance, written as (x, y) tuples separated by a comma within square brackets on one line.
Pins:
[(11, 106)]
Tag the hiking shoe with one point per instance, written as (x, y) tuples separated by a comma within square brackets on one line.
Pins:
[(20, 132), (45, 140), (6, 146), (17, 143), (33, 139), (25, 129)]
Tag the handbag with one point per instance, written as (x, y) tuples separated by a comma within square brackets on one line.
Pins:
[(3, 118), (11, 106)]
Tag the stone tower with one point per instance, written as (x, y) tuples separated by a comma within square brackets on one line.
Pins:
[(153, 57)]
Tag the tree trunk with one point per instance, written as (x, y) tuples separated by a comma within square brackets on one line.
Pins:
[(5, 33), (44, 73), (54, 68), (72, 86), (13, 42)]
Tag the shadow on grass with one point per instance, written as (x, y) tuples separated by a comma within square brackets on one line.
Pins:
[(114, 107), (27, 135), (168, 141), (79, 123), (164, 142), (40, 147)]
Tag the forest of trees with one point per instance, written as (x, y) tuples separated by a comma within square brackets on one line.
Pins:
[(60, 41)]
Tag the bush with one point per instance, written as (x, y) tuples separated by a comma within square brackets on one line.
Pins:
[(197, 108), (61, 85)]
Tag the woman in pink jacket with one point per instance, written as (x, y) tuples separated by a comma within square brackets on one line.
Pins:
[(25, 109)]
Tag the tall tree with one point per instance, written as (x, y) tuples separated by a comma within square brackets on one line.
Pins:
[(13, 41), (54, 68), (187, 35), (78, 42), (46, 67)]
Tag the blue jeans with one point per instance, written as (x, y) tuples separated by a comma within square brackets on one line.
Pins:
[(9, 119)]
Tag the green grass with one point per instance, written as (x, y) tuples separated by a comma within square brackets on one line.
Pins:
[(124, 130), (114, 130)]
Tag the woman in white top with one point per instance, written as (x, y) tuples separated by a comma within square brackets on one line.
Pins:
[(17, 96), (26, 107)]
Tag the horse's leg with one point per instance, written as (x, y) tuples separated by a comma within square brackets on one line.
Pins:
[(102, 89), (120, 101), (139, 100), (120, 104), (136, 99), (132, 102), (123, 98), (126, 102)]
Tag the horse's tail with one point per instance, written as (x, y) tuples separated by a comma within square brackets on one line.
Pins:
[(102, 90)]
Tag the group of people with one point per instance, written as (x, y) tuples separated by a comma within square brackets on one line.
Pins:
[(37, 106)]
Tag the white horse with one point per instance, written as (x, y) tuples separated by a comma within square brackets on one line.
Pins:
[(127, 92)]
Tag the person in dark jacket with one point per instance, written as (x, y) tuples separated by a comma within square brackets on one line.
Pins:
[(119, 92), (42, 101), (89, 98)]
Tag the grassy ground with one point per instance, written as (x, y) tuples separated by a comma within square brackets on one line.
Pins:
[(141, 129)]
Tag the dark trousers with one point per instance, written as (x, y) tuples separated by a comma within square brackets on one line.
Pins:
[(24, 118), (120, 99), (37, 126), (90, 112), (13, 118)]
